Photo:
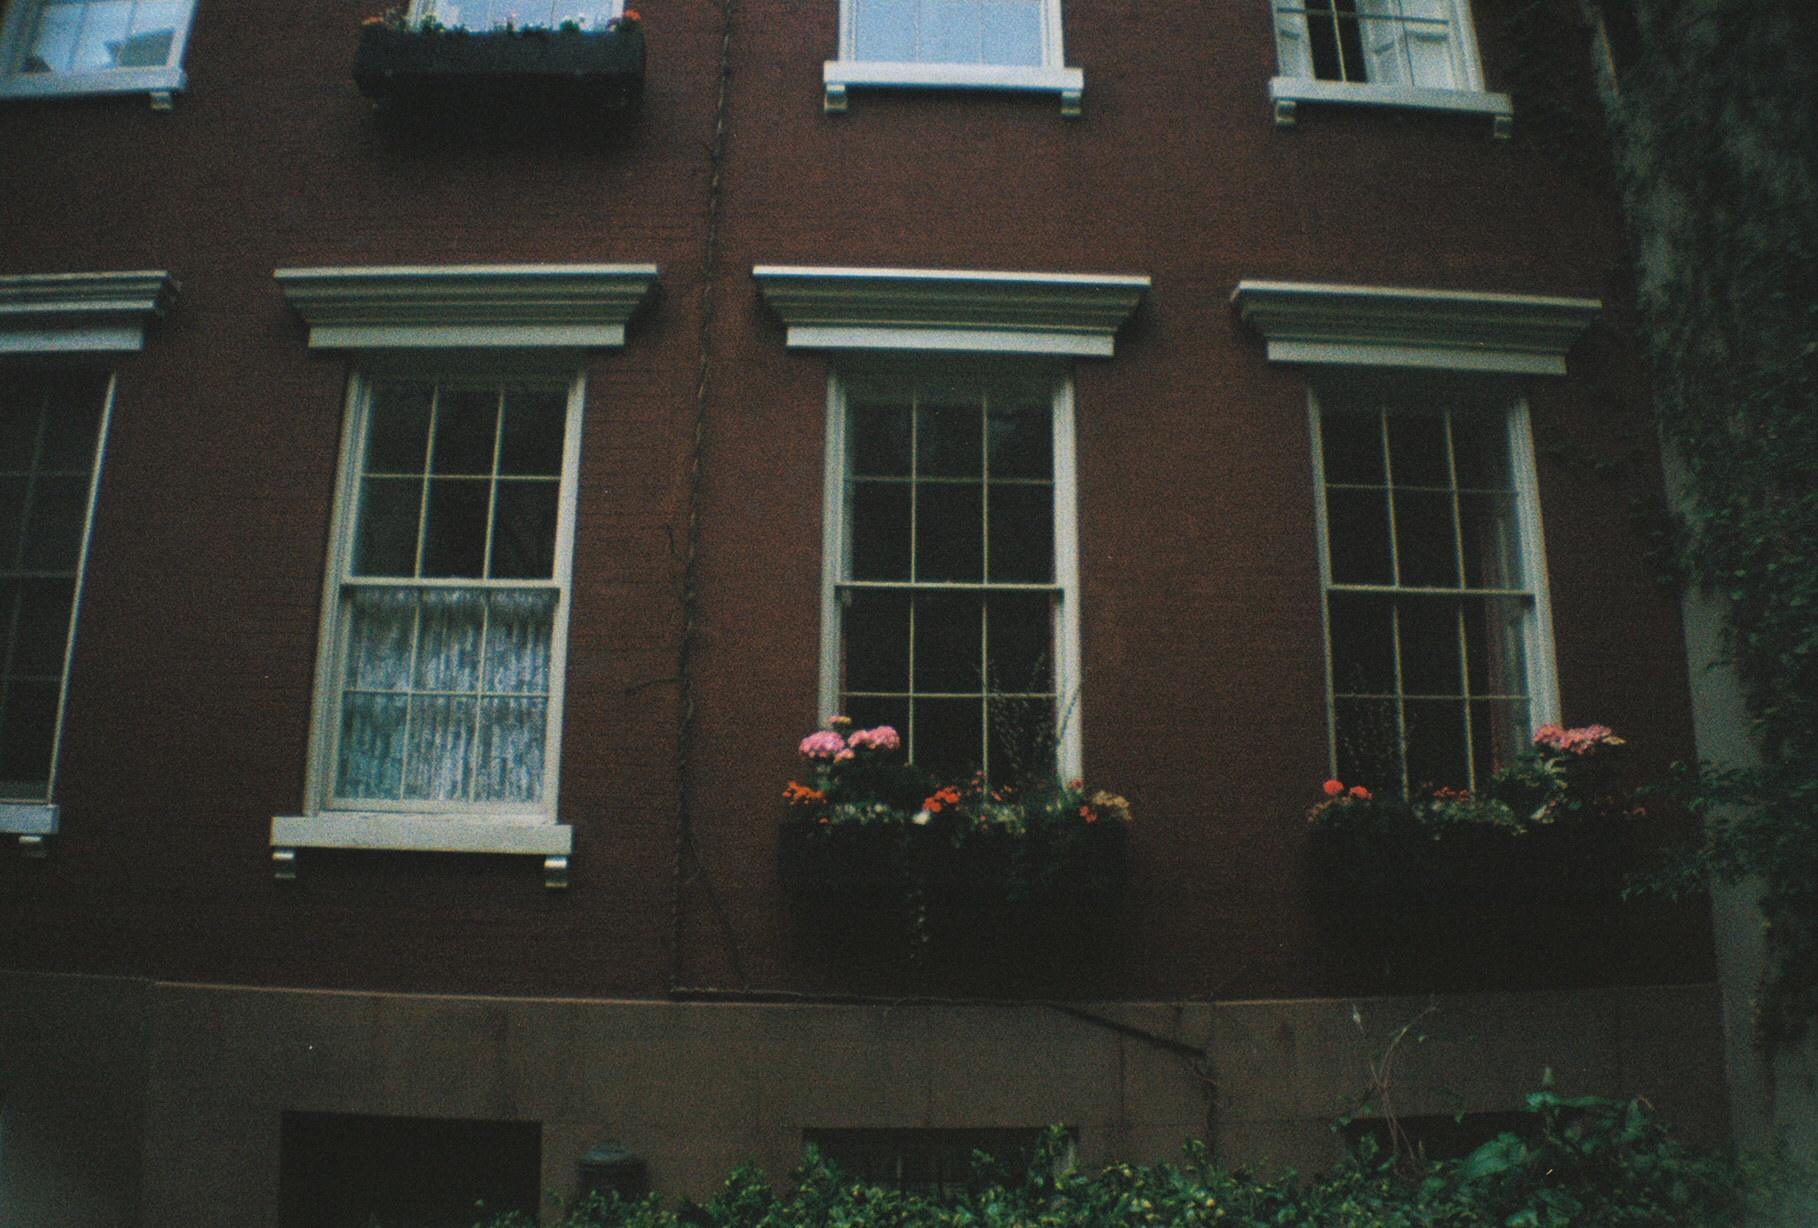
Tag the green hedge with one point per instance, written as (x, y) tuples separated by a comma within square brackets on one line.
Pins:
[(1585, 1162)]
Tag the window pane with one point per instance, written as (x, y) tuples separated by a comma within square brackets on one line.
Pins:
[(1012, 32), (41, 632), (949, 642), (454, 527), (1500, 730), (1363, 643), (1357, 536), (949, 737), (385, 543), (524, 530), (511, 749), (1020, 438), (531, 439), (1020, 641), (868, 712), (1492, 558), (466, 421), (950, 32), (53, 533), (148, 49), (1417, 451), (880, 530), (448, 642), (1351, 448), (1437, 747), (1424, 546), (438, 763), (1020, 738), (1493, 640), (950, 531), (103, 34), (372, 745), (13, 491), (874, 629), (28, 724), (884, 29), (518, 632), (880, 438), (397, 428), (54, 46), (1021, 534), (21, 412), (1368, 744), (72, 423), (381, 631), (1429, 647), (949, 438)]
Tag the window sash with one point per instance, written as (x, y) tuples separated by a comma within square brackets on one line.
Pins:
[(37, 692), (332, 786), (1007, 34), (1413, 44), (35, 36), (1061, 689), (1493, 676)]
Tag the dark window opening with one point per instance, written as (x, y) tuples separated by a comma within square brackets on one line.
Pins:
[(1336, 44), (344, 1170), (932, 1163)]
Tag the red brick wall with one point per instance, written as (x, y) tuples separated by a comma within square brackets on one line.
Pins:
[(190, 692)]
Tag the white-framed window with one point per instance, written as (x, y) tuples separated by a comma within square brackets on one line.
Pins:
[(439, 689), (950, 604), (1439, 657), (57, 47), (52, 422), (977, 44), (522, 14), (1411, 53)]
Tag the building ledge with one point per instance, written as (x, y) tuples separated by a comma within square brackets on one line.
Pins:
[(554, 842), (524, 306), (1380, 326), (1287, 92), (837, 75), (75, 312)]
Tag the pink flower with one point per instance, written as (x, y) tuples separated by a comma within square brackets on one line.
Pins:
[(843, 756), (823, 744), (1334, 788), (1360, 793), (881, 738)]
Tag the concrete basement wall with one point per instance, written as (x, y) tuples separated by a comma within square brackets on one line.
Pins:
[(109, 1078)]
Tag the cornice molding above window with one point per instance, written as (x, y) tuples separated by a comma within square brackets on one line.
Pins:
[(951, 310), (519, 306), (1447, 330), (44, 313)]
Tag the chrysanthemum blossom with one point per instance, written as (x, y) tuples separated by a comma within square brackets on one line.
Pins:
[(823, 744)]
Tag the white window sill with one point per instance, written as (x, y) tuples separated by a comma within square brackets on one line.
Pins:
[(28, 818), (836, 75), (157, 81), (553, 842), (1285, 92)]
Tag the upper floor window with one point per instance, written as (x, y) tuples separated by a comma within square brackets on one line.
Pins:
[(50, 47), (976, 44), (1411, 53)]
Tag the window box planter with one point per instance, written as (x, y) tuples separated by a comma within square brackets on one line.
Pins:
[(572, 70)]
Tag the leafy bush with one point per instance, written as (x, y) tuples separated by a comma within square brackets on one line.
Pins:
[(1585, 1163)]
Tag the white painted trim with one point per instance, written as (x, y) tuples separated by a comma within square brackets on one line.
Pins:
[(465, 336), (1069, 667), (1456, 330), (908, 74), (972, 341), (1543, 666), (1432, 358), (449, 306), (109, 81), (957, 310), (62, 313), (29, 818), (1361, 93), (835, 534), (1322, 535), (409, 834)]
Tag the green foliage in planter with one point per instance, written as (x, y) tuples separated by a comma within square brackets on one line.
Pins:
[(1552, 823), (1584, 1163), (870, 824), (1713, 117)]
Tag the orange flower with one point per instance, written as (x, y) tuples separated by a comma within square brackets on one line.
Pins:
[(801, 795), (1334, 787), (1360, 793)]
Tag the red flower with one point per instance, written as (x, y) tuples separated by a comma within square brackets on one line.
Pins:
[(1334, 788), (1359, 792)]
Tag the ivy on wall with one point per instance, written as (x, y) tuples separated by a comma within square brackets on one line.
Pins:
[(1712, 114)]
